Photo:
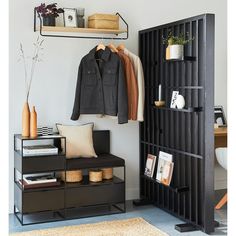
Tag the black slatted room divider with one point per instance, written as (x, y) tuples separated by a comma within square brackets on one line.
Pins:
[(187, 133)]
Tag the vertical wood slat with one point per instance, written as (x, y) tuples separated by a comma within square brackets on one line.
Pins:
[(152, 129), (195, 117)]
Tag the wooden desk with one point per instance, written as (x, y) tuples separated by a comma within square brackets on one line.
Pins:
[(220, 137)]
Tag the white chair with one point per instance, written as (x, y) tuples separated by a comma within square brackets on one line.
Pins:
[(221, 156)]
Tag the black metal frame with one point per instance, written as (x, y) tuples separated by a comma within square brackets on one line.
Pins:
[(19, 213), (37, 15), (185, 133)]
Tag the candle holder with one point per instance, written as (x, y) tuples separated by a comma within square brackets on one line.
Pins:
[(159, 103)]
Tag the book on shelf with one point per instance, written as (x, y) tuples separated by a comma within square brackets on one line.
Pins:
[(25, 185), (150, 165), (38, 150), (165, 168), (40, 179)]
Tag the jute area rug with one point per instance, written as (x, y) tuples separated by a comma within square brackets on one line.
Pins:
[(129, 227)]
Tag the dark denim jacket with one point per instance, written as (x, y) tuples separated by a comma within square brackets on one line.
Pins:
[(101, 86)]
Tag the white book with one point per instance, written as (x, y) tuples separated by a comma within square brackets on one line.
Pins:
[(40, 179), (40, 150), (164, 168)]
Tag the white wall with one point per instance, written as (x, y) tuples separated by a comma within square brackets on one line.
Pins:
[(55, 78)]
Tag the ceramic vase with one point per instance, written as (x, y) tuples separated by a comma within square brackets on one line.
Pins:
[(168, 53), (26, 120), (176, 52), (33, 123)]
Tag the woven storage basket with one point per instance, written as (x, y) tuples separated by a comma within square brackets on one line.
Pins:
[(103, 21), (95, 175), (107, 173), (72, 176)]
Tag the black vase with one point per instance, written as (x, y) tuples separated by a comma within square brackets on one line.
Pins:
[(49, 21)]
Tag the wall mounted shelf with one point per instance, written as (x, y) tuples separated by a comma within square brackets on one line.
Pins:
[(60, 29), (74, 32)]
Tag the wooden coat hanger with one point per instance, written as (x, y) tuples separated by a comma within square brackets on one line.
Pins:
[(101, 46), (121, 47), (112, 46)]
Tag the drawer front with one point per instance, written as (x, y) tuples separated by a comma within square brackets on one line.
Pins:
[(43, 201), (103, 194), (42, 164)]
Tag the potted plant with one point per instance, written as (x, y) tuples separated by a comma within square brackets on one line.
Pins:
[(175, 48), (49, 13)]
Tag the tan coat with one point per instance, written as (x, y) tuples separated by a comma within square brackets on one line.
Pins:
[(138, 70), (132, 86)]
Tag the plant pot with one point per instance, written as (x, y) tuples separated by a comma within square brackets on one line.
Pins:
[(26, 120), (176, 52), (49, 21)]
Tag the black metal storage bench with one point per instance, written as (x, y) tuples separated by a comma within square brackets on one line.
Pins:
[(68, 200)]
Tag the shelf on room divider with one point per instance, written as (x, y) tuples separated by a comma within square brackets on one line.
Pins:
[(186, 59), (190, 109), (179, 189), (176, 87)]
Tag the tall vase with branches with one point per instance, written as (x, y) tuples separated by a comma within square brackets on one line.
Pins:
[(29, 64)]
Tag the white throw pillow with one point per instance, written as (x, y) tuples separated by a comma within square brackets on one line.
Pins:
[(79, 140)]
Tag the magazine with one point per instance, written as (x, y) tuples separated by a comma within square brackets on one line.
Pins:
[(165, 168), (150, 165)]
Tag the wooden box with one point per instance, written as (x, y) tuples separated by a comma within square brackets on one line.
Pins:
[(103, 21)]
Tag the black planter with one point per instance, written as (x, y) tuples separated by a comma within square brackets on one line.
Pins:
[(49, 21)]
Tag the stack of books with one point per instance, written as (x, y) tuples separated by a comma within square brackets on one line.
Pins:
[(40, 150), (39, 181)]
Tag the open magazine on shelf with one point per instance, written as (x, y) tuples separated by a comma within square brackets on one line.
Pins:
[(165, 168)]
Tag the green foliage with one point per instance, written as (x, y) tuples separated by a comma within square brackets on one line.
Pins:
[(177, 40)]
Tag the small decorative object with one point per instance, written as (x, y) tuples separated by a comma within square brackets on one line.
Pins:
[(220, 119), (103, 21), (26, 120), (43, 131), (95, 175), (33, 123), (72, 176), (159, 103), (150, 165), (175, 48), (29, 73), (107, 173), (80, 18), (49, 13), (173, 99), (180, 102), (70, 17)]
